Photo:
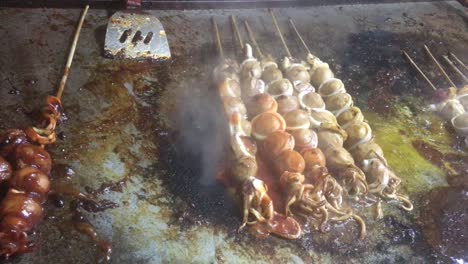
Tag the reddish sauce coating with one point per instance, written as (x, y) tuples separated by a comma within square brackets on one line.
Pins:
[(32, 181), (9, 140), (28, 186), (5, 170), (280, 225), (28, 155), (289, 160)]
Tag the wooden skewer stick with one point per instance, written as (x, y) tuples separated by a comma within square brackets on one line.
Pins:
[(237, 33), (455, 68), (439, 66), (66, 71), (419, 70), (291, 22), (458, 61), (279, 33), (252, 38), (219, 45)]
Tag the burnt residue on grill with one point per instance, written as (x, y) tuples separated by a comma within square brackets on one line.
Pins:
[(137, 132)]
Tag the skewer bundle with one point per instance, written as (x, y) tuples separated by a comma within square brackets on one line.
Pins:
[(331, 135), (25, 168), (357, 137), (311, 192), (256, 206), (451, 104), (306, 128)]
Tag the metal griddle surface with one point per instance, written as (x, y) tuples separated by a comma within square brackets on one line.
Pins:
[(145, 122)]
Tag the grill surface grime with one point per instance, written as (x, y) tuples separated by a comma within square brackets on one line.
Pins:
[(140, 123)]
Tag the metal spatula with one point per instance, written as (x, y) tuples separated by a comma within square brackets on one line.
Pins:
[(136, 36)]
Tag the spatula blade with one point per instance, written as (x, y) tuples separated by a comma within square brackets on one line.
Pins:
[(136, 36)]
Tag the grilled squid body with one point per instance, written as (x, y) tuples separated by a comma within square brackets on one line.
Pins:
[(25, 169), (359, 141), (321, 119), (257, 206), (291, 147)]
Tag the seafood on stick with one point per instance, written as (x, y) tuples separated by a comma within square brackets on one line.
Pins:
[(256, 206), (331, 136), (25, 168), (288, 143), (368, 155), (451, 104)]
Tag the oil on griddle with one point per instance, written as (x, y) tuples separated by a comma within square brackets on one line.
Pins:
[(169, 212)]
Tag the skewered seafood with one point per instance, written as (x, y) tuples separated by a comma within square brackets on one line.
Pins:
[(330, 135), (5, 170), (25, 167), (381, 179), (257, 206), (261, 103), (281, 149), (270, 70), (250, 68), (287, 103), (451, 103), (313, 201)]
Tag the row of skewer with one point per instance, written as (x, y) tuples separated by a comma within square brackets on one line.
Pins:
[(25, 175), (451, 104), (295, 120)]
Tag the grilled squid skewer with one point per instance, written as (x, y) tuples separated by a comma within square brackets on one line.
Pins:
[(290, 146), (25, 168), (285, 139), (359, 141), (257, 206), (451, 104), (331, 136)]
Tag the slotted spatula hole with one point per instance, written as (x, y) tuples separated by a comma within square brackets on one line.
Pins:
[(138, 37), (148, 37), (125, 35)]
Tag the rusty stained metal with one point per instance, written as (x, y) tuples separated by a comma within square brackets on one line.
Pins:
[(125, 121)]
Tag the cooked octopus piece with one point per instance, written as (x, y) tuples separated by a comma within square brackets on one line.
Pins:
[(19, 212), (314, 159), (350, 116), (305, 138), (289, 161), (244, 168), (251, 86), (266, 123), (280, 87), (5, 170), (287, 103), (261, 103), (251, 68), (311, 101), (366, 151), (358, 133), (297, 119), (271, 72), (276, 143), (10, 139), (27, 155), (330, 137), (320, 74), (31, 181), (338, 103)]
